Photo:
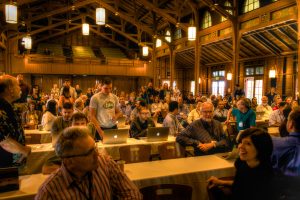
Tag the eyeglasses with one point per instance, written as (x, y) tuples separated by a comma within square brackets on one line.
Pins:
[(89, 152), (207, 111)]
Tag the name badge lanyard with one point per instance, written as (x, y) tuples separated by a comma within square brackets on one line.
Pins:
[(241, 122)]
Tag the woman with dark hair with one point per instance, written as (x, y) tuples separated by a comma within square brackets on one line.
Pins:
[(50, 115), (254, 173), (65, 97)]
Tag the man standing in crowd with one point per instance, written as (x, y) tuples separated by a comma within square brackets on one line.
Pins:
[(78, 90), (264, 110), (12, 139), (84, 173), (171, 121), (238, 92), (271, 95), (24, 89), (62, 122), (206, 135), (277, 117), (245, 116), (286, 152), (73, 93), (139, 127), (104, 110)]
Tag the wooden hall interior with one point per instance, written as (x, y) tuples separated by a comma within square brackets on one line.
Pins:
[(244, 38)]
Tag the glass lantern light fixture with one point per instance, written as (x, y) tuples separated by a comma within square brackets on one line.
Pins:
[(100, 16), (229, 76), (145, 50), (85, 29), (27, 42), (11, 13)]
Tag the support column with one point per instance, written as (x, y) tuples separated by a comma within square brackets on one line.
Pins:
[(236, 38), (298, 54), (153, 65), (172, 65), (197, 66)]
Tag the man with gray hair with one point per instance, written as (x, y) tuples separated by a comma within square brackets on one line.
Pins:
[(84, 173), (206, 135), (12, 140)]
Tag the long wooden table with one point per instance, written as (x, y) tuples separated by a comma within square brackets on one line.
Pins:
[(42, 152), (193, 171)]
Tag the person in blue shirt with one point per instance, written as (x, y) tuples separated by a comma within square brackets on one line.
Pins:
[(244, 115), (286, 154)]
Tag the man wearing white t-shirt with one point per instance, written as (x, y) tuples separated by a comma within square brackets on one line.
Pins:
[(104, 110)]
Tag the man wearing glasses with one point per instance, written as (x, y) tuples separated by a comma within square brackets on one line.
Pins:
[(84, 173), (139, 127), (206, 135)]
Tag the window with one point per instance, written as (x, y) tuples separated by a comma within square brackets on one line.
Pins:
[(218, 88), (206, 20), (250, 5), (254, 72), (254, 88), (227, 4), (220, 73), (178, 34)]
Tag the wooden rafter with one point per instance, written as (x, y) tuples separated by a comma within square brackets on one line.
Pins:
[(283, 42), (109, 39), (58, 11), (57, 34), (127, 18), (253, 47), (163, 13)]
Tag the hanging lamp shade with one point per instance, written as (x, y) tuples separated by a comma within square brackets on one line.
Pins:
[(27, 42), (192, 30), (158, 42), (85, 29), (11, 13), (229, 76), (100, 16), (145, 51), (272, 73)]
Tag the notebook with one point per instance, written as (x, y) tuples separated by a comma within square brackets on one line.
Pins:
[(115, 136), (157, 134)]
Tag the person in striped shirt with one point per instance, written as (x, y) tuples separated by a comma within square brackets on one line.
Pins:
[(85, 174)]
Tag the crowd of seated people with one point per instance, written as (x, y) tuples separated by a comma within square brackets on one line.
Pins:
[(196, 121)]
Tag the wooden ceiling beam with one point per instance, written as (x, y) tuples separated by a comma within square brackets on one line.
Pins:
[(283, 42), (162, 12), (263, 44), (60, 10), (45, 28), (253, 47), (57, 34), (109, 39), (127, 18)]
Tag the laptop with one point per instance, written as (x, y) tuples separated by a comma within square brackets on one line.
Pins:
[(157, 134), (9, 179), (121, 122), (115, 136)]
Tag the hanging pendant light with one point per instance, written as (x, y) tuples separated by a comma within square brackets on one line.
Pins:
[(27, 42), (192, 30), (158, 42), (11, 13), (85, 29), (272, 73), (145, 51), (229, 76), (100, 16)]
